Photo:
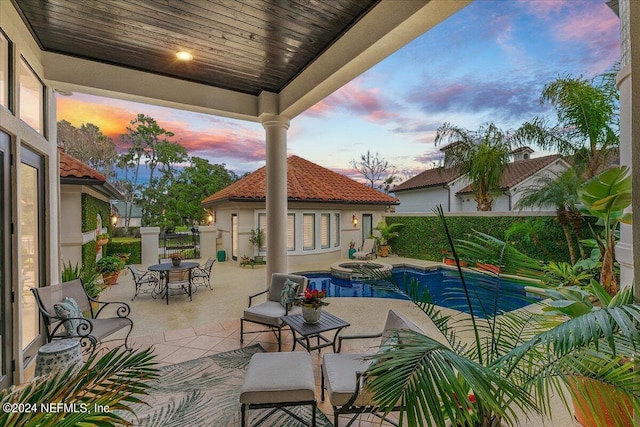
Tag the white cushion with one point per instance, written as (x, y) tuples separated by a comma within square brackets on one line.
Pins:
[(268, 313), (339, 370), (279, 378)]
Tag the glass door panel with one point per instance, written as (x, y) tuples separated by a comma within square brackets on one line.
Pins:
[(234, 237)]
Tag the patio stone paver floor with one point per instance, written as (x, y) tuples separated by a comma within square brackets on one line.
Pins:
[(184, 330)]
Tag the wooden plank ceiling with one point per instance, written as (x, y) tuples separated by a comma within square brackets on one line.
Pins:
[(242, 45)]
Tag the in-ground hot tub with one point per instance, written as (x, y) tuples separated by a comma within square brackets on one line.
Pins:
[(353, 270)]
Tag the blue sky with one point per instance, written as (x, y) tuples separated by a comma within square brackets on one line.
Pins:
[(488, 62)]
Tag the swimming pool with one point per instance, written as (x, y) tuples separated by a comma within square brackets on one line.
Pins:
[(488, 295)]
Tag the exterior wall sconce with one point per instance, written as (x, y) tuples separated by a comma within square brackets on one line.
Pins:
[(355, 221), (211, 217), (114, 219)]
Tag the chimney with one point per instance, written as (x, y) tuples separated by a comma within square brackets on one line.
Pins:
[(522, 153)]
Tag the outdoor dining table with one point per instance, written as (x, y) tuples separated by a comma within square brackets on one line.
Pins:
[(165, 269)]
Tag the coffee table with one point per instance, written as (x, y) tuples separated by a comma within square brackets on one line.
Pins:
[(327, 322)]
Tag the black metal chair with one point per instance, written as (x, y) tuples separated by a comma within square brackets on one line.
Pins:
[(201, 276), (91, 329), (145, 281), (270, 312)]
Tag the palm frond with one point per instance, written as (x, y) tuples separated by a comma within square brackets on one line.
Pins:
[(118, 379)]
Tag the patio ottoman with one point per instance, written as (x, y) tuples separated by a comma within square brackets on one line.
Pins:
[(279, 380)]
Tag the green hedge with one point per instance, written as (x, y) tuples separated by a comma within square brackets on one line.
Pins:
[(424, 237), (126, 245), (91, 207), (89, 250)]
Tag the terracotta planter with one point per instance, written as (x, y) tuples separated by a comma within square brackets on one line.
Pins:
[(488, 267), (606, 394), (451, 261), (102, 242), (383, 250), (110, 278)]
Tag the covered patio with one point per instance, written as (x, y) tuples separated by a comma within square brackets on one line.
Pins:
[(186, 330), (295, 69)]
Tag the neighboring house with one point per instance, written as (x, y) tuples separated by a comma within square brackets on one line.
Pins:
[(83, 191), (121, 208), (326, 211), (446, 187)]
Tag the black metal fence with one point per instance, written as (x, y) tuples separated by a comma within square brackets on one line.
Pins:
[(188, 244)]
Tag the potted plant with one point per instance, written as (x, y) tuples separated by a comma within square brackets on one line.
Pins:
[(448, 259), (352, 249), (124, 256), (89, 278), (257, 239), (102, 239), (176, 258), (312, 303), (384, 234), (110, 267)]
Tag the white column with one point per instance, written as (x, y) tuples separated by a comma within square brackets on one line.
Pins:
[(149, 237), (624, 248), (276, 136), (208, 244)]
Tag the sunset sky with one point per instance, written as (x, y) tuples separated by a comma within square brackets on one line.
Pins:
[(488, 62)]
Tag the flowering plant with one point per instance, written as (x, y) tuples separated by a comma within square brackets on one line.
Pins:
[(312, 298), (177, 255)]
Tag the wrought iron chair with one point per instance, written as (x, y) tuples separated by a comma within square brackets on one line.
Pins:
[(201, 276), (90, 329), (269, 313), (342, 373), (145, 281)]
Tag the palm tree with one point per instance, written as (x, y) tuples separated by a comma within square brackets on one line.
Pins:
[(514, 360), (481, 156), (560, 191), (587, 125)]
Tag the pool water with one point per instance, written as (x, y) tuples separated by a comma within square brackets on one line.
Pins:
[(488, 294)]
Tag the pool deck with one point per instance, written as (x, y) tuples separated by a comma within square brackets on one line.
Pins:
[(184, 330)]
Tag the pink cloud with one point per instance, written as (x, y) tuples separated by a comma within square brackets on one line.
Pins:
[(367, 103)]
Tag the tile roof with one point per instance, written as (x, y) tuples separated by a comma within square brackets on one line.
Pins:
[(520, 170), (71, 167), (429, 178), (306, 181), (514, 173)]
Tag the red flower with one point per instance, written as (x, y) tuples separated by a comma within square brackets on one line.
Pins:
[(313, 298)]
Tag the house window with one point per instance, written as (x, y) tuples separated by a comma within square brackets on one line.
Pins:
[(291, 232), (325, 231), (31, 98), (5, 60), (262, 225), (336, 241), (31, 244), (308, 232)]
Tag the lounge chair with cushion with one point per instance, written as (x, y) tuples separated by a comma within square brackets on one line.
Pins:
[(341, 373), (145, 281), (280, 295), (367, 251), (67, 312)]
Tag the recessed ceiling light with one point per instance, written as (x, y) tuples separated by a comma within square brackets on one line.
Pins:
[(184, 56)]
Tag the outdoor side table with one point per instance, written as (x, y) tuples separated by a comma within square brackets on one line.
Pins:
[(327, 322), (58, 356)]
